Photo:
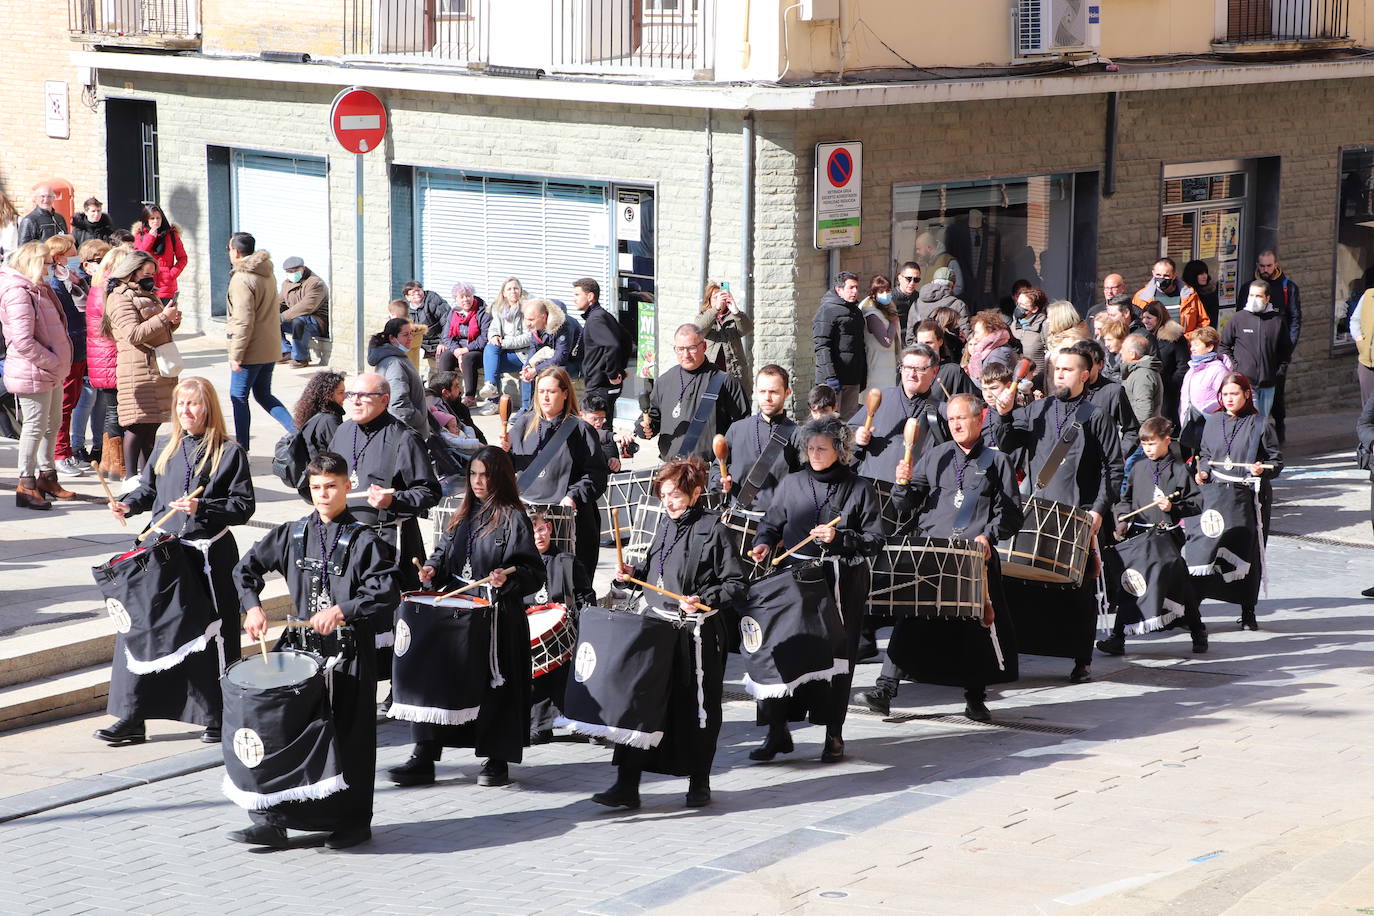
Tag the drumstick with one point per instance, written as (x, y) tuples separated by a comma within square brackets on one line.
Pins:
[(722, 450), (667, 594), (615, 529), (943, 390), (95, 466), (1172, 496), (871, 404), (262, 644), (505, 414), (807, 540), (1228, 464), (170, 512), (910, 434), (509, 570)]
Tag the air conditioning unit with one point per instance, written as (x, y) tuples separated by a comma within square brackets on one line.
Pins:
[(1046, 27)]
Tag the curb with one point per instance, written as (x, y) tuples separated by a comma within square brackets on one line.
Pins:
[(89, 787)]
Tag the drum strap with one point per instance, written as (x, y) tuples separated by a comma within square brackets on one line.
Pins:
[(1061, 448), (705, 407), (754, 480), (554, 446), (965, 514)]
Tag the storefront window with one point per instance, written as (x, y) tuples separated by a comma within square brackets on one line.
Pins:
[(1203, 218), (991, 233), (1354, 240)]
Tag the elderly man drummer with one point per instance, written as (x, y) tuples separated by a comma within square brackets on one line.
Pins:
[(962, 490)]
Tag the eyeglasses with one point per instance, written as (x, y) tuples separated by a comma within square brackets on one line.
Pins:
[(680, 350), (364, 395), (908, 279), (917, 368)]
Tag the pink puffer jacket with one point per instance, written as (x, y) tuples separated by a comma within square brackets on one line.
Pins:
[(101, 352), (38, 351)]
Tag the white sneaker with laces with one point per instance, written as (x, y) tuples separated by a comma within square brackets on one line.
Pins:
[(70, 467), (488, 391)]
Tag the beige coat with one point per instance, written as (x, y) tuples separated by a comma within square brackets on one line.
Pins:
[(253, 322), (137, 326)]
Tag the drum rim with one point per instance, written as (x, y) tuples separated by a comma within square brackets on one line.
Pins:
[(481, 602), (314, 657)]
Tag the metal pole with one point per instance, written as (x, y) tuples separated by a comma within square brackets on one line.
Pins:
[(358, 356)]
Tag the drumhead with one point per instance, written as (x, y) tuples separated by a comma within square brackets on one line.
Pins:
[(545, 619), (283, 668), (432, 599)]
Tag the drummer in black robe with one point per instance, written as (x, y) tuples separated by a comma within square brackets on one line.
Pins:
[(751, 438), (566, 582), (877, 450), (1055, 620), (558, 459), (198, 454), (962, 490), (677, 401), (489, 533), (1110, 396), (1160, 492), (689, 555), (1239, 451), (364, 593), (803, 505)]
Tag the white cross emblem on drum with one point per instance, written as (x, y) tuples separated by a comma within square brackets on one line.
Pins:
[(750, 634), (118, 615), (1212, 523), (402, 639), (248, 747), (585, 663), (1133, 582)]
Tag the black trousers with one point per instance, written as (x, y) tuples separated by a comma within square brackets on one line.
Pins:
[(471, 368)]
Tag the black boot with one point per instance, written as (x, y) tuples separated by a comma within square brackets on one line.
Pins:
[(779, 741), (624, 793), (1080, 674), (418, 770), (260, 835), (125, 731), (1247, 619), (1199, 641), (975, 705), (833, 751), (494, 773), (1112, 645), (880, 697), (699, 791)]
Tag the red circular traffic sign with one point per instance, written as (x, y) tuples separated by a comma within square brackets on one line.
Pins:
[(358, 120)]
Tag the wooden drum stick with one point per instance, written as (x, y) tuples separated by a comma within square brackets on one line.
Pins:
[(807, 540), (170, 512), (95, 466)]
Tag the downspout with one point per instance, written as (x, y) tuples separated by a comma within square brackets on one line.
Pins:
[(705, 264), (746, 230), (1109, 157)]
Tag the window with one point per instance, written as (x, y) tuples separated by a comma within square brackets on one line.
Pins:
[(1203, 218), (454, 9), (1354, 269)]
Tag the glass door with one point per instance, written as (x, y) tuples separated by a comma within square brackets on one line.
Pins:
[(1204, 218)]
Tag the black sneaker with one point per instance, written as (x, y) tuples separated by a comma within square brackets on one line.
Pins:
[(977, 710), (1199, 643), (352, 836), (1113, 645), (211, 735), (698, 792), (618, 796), (260, 835), (772, 746), (414, 772), (494, 773), (879, 699), (1080, 675)]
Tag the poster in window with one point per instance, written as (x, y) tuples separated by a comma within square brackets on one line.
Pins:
[(648, 355), (1207, 236), (1229, 241), (1196, 189), (1227, 291)]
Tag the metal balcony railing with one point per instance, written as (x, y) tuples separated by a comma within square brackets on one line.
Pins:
[(138, 21), (1287, 20), (633, 34), (447, 30)]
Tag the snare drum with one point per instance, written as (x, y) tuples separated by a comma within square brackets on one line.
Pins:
[(741, 525), (647, 516), (929, 577), (279, 737), (442, 658), (625, 490), (619, 687), (1052, 545), (562, 519), (158, 604), (553, 637)]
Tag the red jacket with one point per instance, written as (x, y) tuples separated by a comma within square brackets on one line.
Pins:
[(101, 351), (170, 263)]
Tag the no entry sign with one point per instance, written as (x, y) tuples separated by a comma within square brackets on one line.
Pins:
[(358, 120), (839, 194)]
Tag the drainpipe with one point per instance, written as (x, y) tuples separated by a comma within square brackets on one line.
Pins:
[(1109, 163), (705, 264), (746, 229)]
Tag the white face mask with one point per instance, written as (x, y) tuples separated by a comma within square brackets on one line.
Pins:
[(1256, 304)]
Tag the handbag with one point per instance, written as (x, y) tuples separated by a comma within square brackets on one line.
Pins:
[(169, 359), (1190, 436)]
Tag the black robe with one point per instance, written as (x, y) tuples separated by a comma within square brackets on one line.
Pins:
[(1174, 476), (1057, 620), (501, 729), (691, 556), (800, 502), (748, 439), (1111, 397), (319, 431), (677, 387), (960, 652), (190, 691), (878, 460), (954, 380), (577, 469), (367, 594), (566, 582)]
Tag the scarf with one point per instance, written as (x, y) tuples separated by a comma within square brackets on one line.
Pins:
[(979, 351), (459, 319), (1201, 359)]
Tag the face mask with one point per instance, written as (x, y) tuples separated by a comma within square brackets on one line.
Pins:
[(295, 277), (1256, 304), (884, 298), (1164, 286), (147, 284)]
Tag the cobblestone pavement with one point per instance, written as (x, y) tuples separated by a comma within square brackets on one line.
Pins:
[(1166, 762)]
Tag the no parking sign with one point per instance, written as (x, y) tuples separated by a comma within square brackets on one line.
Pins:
[(839, 194)]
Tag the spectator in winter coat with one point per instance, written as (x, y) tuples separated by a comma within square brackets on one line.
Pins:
[(460, 348), (1028, 325), (553, 341), (1199, 276), (102, 360), (1287, 301), (904, 296), (38, 357), (159, 237), (1169, 291), (88, 257), (990, 343), (139, 323), (1207, 371), (43, 221), (605, 342), (1170, 347), (882, 333), (429, 309), (9, 228), (1140, 378), (837, 333), (68, 286), (304, 305), (507, 339), (1259, 345), (724, 325), (938, 293), (92, 222), (1112, 334), (388, 352), (253, 329)]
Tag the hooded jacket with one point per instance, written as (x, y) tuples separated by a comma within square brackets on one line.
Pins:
[(101, 351), (308, 297), (837, 332), (1143, 387), (559, 335), (1172, 349), (432, 312), (932, 296), (138, 325), (407, 402), (1259, 345), (171, 260), (1191, 314), (1202, 387), (252, 324), (38, 352)]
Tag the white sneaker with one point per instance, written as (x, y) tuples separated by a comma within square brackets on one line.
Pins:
[(488, 391), (70, 467), (487, 409)]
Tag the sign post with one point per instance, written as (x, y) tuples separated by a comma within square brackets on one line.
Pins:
[(839, 195), (357, 119)]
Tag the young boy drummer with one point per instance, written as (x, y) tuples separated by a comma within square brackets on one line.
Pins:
[(1163, 483), (338, 572)]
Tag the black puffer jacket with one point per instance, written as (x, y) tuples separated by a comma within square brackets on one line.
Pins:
[(1259, 345), (433, 312), (83, 230), (837, 332)]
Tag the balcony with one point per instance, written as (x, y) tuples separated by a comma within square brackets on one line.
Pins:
[(633, 35), (1270, 25), (163, 24), (441, 31)]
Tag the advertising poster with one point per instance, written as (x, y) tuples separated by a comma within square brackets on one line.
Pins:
[(1207, 236), (1229, 240), (648, 357), (1227, 291)]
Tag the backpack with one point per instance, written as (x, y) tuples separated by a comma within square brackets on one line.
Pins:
[(289, 459)]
